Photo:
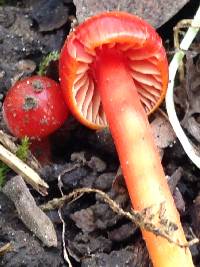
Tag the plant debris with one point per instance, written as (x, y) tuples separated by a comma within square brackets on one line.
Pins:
[(142, 219)]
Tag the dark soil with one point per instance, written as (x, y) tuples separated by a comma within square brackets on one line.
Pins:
[(94, 235)]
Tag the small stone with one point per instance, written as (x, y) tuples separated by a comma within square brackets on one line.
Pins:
[(87, 245), (84, 220), (163, 133), (96, 164), (26, 65), (50, 15), (78, 157), (123, 232), (104, 181), (2, 74)]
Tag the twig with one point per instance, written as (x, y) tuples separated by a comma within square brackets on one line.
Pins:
[(29, 175), (8, 141), (139, 218), (189, 148)]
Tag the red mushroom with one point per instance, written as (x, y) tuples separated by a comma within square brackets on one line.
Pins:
[(34, 107), (113, 68)]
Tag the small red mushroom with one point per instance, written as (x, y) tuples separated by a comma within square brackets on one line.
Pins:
[(34, 107), (113, 68)]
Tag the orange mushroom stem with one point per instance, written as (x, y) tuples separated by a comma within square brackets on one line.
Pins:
[(138, 156), (113, 68)]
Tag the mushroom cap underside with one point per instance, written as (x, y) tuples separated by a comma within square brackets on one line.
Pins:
[(139, 44)]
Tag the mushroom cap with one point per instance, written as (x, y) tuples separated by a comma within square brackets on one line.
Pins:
[(135, 39)]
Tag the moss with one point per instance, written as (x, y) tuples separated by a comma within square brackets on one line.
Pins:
[(53, 56), (23, 149)]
